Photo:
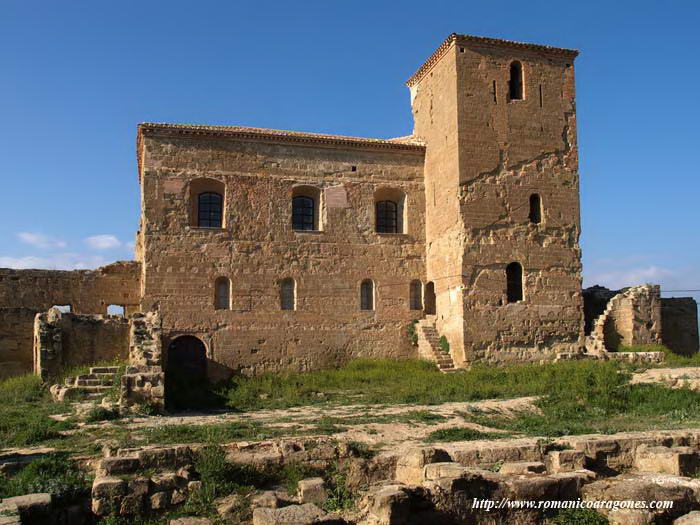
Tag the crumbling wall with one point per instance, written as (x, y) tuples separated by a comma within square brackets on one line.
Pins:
[(16, 337), (64, 340), (144, 380), (679, 317), (25, 293), (631, 317)]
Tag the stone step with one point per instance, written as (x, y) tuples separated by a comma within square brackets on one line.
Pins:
[(93, 382), (104, 369)]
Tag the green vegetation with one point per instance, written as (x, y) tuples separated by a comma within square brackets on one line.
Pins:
[(100, 413), (642, 348), (461, 434), (55, 474), (215, 433), (24, 413), (444, 345), (412, 333), (340, 497)]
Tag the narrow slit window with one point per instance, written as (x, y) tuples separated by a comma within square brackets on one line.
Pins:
[(288, 294), (387, 217), (541, 100), (367, 295), (535, 208), (222, 294), (209, 210), (495, 92), (514, 282), (516, 81), (303, 214)]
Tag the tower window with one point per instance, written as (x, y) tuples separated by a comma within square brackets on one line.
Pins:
[(367, 295), (222, 294), (209, 210), (303, 213), (416, 295), (514, 282), (516, 81), (535, 208), (387, 219), (288, 294)]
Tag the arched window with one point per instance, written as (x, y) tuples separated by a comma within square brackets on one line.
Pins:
[(288, 294), (303, 213), (209, 210), (514, 282), (367, 295), (222, 294), (515, 83), (387, 219), (535, 208), (416, 295)]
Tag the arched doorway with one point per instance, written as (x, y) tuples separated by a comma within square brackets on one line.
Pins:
[(186, 373), (429, 299)]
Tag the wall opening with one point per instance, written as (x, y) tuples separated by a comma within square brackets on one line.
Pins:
[(515, 84), (429, 299), (416, 295), (116, 309), (186, 373), (306, 208), (535, 208), (222, 294), (207, 202), (288, 294), (390, 211), (63, 308), (367, 295), (514, 282)]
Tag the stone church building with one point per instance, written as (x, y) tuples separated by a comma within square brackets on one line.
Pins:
[(265, 250)]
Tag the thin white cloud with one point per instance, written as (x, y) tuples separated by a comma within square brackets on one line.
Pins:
[(58, 261), (103, 242), (39, 240)]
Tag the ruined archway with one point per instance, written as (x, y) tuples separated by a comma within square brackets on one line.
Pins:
[(186, 373)]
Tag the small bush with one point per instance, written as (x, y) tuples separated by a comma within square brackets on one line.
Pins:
[(412, 333), (99, 413), (444, 345), (340, 497)]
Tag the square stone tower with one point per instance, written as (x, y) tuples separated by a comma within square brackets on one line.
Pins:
[(502, 197)]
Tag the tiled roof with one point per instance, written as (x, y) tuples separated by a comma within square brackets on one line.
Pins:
[(454, 37), (276, 135)]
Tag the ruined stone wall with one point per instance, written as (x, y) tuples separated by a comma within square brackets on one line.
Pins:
[(86, 291), (25, 293), (257, 248), (506, 151), (16, 336), (679, 319), (65, 340)]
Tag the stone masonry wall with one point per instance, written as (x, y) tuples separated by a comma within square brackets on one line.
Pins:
[(257, 248), (505, 151), (25, 293), (679, 318), (65, 340), (16, 337)]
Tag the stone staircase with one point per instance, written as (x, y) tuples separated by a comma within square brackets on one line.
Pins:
[(93, 385), (429, 344)]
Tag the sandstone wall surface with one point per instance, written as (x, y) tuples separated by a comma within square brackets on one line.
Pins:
[(66, 340), (257, 248), (679, 319), (16, 336), (506, 151)]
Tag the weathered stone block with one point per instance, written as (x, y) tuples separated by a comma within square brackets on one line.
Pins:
[(409, 468), (160, 500), (118, 465), (522, 467), (677, 461), (566, 460), (312, 490)]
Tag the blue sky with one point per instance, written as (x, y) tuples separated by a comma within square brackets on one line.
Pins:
[(76, 78)]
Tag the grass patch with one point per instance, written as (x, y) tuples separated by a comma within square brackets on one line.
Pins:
[(577, 517), (55, 474), (215, 433), (100, 413), (386, 381), (460, 434), (24, 413)]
